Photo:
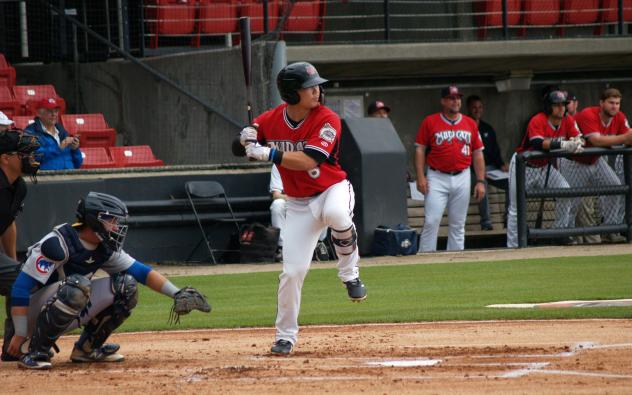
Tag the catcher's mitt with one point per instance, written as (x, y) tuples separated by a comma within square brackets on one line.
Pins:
[(186, 300)]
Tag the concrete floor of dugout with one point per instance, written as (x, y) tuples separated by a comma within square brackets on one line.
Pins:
[(426, 258)]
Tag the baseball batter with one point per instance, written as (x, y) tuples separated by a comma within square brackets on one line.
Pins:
[(448, 142), (602, 126), (54, 292), (302, 138), (547, 130)]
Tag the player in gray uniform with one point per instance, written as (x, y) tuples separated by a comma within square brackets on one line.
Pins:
[(54, 293)]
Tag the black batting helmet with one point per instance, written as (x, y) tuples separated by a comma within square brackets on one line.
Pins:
[(99, 212), (554, 97), (297, 76)]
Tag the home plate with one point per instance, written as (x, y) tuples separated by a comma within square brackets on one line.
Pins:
[(565, 304), (406, 363)]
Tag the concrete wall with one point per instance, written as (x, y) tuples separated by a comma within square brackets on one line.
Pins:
[(145, 111)]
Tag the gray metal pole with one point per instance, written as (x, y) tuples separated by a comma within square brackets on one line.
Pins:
[(505, 21), (387, 26), (620, 16), (265, 16), (279, 61), (24, 31), (521, 202), (627, 177), (75, 59), (119, 16)]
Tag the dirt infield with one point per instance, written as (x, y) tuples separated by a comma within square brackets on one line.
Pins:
[(506, 357)]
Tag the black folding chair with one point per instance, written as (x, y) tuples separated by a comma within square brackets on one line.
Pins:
[(200, 191)]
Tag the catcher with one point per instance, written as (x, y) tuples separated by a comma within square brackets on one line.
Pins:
[(54, 293)]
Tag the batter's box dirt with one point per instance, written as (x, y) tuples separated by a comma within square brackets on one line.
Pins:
[(491, 357)]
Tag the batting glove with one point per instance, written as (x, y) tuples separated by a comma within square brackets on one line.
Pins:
[(571, 145), (248, 135), (258, 152)]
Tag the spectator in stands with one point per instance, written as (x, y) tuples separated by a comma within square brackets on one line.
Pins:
[(378, 109), (547, 130), (58, 148), (493, 159), (448, 142), (5, 122), (277, 217)]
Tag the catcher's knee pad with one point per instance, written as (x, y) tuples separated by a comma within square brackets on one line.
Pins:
[(125, 289), (345, 241)]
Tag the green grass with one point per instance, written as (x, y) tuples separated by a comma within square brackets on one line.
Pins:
[(407, 293)]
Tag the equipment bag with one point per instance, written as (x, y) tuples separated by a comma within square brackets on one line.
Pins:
[(397, 240), (258, 243)]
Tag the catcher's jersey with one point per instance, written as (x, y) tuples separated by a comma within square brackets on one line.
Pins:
[(319, 132), (75, 257), (590, 124), (451, 143), (540, 128)]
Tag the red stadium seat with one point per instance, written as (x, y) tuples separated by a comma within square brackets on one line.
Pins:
[(134, 156), (306, 16), (610, 11), (22, 121), (254, 10), (541, 13), (96, 158), (169, 18), (491, 14), (580, 12), (217, 16), (8, 105), (7, 72), (91, 128), (29, 95)]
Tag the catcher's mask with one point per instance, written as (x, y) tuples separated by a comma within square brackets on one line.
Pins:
[(105, 215)]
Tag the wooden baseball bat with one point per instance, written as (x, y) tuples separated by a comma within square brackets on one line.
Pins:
[(246, 60)]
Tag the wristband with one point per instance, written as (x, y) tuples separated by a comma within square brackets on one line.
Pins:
[(20, 323), (169, 289), (276, 156), (555, 144)]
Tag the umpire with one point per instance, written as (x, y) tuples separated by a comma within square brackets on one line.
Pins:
[(17, 158)]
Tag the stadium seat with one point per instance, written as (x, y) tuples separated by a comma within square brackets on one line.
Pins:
[(490, 14), (7, 72), (541, 13), (29, 95), (22, 121), (254, 10), (169, 18), (8, 105), (91, 128), (134, 156), (306, 16), (610, 11), (96, 158), (217, 16), (580, 12)]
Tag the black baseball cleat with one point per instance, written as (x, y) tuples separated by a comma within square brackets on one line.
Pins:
[(281, 347), (35, 360), (6, 357), (356, 290)]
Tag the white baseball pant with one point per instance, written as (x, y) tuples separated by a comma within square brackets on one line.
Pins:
[(535, 178), (444, 190), (598, 174), (278, 210), (305, 220)]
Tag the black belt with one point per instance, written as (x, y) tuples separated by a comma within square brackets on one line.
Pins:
[(452, 173)]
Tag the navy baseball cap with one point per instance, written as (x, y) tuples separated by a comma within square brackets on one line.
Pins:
[(570, 96), (450, 91)]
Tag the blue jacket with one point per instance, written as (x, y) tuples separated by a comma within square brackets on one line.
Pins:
[(52, 156)]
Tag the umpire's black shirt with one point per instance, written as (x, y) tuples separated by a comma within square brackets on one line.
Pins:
[(11, 200)]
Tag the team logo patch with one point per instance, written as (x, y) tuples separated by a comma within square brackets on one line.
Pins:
[(328, 133), (311, 70), (43, 266), (324, 144)]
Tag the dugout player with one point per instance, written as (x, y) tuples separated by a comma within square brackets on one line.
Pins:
[(302, 137), (54, 293), (547, 130), (602, 126), (16, 159), (448, 142)]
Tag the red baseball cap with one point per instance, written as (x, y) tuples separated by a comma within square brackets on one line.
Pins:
[(49, 104), (450, 91)]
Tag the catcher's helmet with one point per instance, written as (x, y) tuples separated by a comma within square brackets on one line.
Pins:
[(296, 76), (104, 214), (554, 97)]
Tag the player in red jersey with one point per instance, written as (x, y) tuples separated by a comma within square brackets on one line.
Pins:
[(448, 142), (547, 130), (602, 126), (302, 137)]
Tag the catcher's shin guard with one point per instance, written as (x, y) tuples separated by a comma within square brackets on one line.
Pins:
[(99, 328), (72, 297), (345, 241)]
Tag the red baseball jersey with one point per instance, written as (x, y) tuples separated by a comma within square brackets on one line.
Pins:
[(590, 124), (451, 143), (319, 132), (540, 128)]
